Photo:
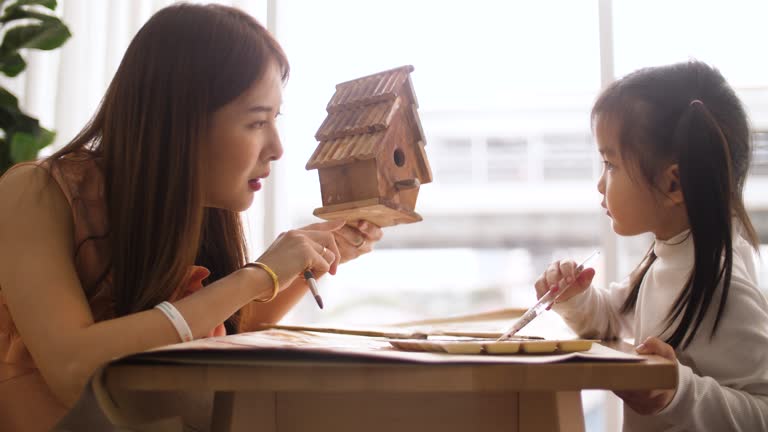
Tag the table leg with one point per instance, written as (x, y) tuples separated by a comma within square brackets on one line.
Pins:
[(244, 411), (373, 412), (550, 412), (370, 412)]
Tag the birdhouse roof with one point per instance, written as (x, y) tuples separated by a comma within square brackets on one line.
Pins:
[(359, 113), (377, 87)]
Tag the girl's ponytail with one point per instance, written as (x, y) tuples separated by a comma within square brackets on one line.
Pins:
[(707, 182)]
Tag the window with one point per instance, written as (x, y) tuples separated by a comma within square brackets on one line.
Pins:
[(508, 159), (451, 160), (505, 90), (498, 157), (760, 158)]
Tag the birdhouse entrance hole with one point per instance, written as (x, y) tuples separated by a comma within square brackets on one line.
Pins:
[(399, 157)]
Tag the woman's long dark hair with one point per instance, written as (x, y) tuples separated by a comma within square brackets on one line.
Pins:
[(186, 62), (686, 113)]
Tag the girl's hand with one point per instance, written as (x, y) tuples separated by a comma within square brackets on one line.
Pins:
[(313, 247), (561, 274), (355, 238), (646, 402)]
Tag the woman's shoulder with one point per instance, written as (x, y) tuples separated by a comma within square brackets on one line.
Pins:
[(79, 174), (31, 205), (51, 186), (25, 183)]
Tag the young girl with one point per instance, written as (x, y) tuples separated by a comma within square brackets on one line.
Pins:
[(676, 147), (129, 237)]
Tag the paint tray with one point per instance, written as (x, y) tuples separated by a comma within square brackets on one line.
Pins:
[(488, 346)]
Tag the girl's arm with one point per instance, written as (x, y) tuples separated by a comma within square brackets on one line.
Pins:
[(46, 300), (595, 313), (725, 386)]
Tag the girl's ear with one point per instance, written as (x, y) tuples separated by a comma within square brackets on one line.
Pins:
[(670, 185)]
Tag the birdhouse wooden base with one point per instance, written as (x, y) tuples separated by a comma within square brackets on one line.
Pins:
[(371, 210)]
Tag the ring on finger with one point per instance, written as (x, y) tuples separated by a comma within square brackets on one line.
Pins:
[(325, 249), (360, 243)]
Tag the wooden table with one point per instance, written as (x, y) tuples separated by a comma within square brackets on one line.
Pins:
[(343, 396)]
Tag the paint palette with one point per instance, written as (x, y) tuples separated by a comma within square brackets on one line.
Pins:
[(489, 346)]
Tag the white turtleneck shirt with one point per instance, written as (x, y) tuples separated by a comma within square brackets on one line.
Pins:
[(722, 382)]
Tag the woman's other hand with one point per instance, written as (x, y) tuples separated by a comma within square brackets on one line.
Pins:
[(357, 238)]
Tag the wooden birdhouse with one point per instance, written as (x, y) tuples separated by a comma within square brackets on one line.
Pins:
[(371, 158)]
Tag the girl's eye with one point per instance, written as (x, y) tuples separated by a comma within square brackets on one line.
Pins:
[(257, 124), (607, 165)]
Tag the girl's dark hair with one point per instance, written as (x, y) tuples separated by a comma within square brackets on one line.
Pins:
[(186, 62), (686, 113)]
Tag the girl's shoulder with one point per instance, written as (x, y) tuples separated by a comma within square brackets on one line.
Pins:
[(745, 290), (745, 257)]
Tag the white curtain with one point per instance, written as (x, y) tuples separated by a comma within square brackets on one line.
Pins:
[(63, 88)]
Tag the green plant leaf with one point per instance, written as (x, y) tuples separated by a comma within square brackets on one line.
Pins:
[(45, 36), (14, 12), (25, 123), (9, 110), (46, 138), (50, 4), (12, 65), (25, 146), (21, 137), (5, 156), (7, 99)]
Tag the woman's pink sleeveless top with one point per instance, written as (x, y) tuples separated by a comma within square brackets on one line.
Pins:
[(26, 402)]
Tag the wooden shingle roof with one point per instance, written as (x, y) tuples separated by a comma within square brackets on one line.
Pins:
[(378, 87), (358, 114), (371, 118)]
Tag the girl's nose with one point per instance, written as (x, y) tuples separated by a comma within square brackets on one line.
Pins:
[(601, 184)]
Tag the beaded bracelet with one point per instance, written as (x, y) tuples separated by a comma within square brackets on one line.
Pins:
[(275, 282), (178, 321)]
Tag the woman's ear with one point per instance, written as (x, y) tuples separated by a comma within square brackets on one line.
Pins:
[(670, 185)]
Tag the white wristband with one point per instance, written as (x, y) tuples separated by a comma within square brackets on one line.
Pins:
[(178, 321)]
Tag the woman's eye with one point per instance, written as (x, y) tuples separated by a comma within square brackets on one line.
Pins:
[(257, 124), (607, 165)]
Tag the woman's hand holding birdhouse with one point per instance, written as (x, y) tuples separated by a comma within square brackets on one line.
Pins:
[(355, 238)]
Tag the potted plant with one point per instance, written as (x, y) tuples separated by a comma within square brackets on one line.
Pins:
[(25, 24)]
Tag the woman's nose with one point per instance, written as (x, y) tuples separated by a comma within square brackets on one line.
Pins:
[(275, 147)]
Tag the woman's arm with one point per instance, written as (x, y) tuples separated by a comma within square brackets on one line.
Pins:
[(354, 239), (47, 302)]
